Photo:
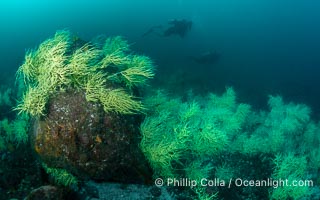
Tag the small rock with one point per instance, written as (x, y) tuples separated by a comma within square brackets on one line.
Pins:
[(47, 192)]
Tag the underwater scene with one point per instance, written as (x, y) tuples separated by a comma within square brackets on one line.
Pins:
[(163, 99)]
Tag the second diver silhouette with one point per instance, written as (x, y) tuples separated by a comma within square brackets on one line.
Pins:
[(206, 58), (177, 27)]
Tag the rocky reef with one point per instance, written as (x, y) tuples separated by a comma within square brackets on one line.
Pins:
[(83, 100)]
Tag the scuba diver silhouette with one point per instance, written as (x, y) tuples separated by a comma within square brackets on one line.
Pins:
[(177, 27)]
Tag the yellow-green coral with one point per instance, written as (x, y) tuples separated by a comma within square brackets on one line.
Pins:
[(293, 169), (61, 176), (116, 100), (134, 70), (6, 126), (33, 101), (115, 45), (116, 59), (161, 157), (189, 110), (80, 64), (28, 69), (159, 144), (5, 97), (21, 127), (115, 52), (209, 141), (44, 71), (51, 54), (94, 86), (181, 138), (15, 132), (119, 101), (58, 65), (196, 171), (140, 69)]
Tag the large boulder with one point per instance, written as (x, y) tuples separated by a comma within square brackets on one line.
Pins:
[(80, 137)]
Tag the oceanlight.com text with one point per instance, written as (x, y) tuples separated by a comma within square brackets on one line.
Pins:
[(236, 182)]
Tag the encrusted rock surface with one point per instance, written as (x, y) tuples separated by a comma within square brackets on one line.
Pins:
[(80, 137), (47, 192)]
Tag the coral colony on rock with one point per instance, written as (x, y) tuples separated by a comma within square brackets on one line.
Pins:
[(85, 105), (83, 110), (82, 103)]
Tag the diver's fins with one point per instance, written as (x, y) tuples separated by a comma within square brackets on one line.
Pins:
[(152, 30)]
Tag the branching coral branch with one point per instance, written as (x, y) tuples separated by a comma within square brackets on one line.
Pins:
[(119, 101), (33, 102), (115, 45)]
